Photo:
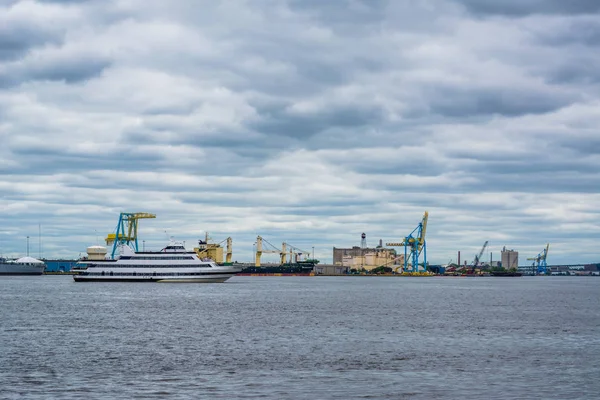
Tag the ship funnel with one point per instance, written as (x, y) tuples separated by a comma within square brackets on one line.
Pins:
[(96, 252)]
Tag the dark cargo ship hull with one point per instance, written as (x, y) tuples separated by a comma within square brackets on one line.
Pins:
[(281, 270), (505, 273)]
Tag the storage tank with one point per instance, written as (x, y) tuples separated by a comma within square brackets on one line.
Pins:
[(96, 252)]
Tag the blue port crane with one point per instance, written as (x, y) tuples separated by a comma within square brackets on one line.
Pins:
[(539, 261), (129, 220), (414, 244)]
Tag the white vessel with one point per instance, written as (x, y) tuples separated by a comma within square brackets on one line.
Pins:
[(22, 266), (171, 264)]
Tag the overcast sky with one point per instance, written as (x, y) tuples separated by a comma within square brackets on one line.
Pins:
[(304, 121)]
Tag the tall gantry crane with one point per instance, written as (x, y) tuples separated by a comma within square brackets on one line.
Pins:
[(477, 259), (539, 261), (414, 244), (129, 220)]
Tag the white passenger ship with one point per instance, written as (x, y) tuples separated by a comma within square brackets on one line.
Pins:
[(171, 264)]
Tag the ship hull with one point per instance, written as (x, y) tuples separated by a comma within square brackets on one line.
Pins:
[(147, 279), (16, 269), (506, 274)]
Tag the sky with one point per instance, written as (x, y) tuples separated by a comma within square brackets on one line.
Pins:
[(303, 121)]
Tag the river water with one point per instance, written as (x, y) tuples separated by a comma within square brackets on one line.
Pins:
[(301, 338)]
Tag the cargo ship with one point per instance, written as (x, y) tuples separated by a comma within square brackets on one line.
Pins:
[(505, 273), (297, 269)]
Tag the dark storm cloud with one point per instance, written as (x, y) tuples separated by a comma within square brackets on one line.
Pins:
[(50, 162), (578, 70), (542, 182), (589, 146), (66, 1), (18, 40), (238, 147), (284, 122), (537, 165), (526, 7), (350, 13), (465, 102), (68, 70), (580, 31)]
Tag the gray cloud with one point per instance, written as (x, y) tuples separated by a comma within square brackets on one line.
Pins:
[(464, 102), (580, 31), (526, 7), (69, 71), (282, 122), (18, 40)]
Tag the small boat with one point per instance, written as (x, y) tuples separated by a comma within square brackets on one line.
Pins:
[(22, 266), (171, 264)]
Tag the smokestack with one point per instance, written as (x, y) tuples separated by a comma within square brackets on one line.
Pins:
[(458, 258)]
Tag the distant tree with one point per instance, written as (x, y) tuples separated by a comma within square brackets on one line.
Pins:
[(381, 270)]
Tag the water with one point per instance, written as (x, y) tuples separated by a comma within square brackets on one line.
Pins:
[(301, 338)]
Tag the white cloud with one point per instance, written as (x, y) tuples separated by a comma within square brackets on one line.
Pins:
[(305, 122)]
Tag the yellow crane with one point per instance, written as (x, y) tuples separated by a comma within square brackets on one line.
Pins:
[(259, 251), (414, 244), (229, 253), (296, 254), (129, 220), (214, 251)]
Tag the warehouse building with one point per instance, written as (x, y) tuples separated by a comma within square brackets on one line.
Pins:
[(364, 257)]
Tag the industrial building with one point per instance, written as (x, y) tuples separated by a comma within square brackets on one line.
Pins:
[(510, 258), (364, 257), (59, 265)]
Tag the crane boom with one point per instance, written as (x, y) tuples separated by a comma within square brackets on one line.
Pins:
[(415, 241), (478, 256), (423, 230)]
